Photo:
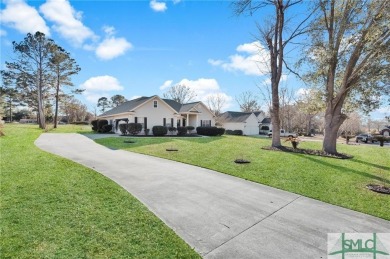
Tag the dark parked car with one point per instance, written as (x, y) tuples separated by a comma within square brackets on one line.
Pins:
[(364, 138)]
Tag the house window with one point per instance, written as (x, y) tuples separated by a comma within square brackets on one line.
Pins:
[(155, 104), (164, 122), (205, 123), (178, 123)]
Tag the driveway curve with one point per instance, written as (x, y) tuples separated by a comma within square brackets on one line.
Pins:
[(220, 216)]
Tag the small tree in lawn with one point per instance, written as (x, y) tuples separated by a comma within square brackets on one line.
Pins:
[(63, 67)]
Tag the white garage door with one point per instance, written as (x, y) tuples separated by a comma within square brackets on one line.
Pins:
[(251, 130)]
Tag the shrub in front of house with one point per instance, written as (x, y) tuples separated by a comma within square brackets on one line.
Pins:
[(159, 130), (123, 128), (190, 128), (181, 131), (106, 128), (208, 131), (234, 132), (100, 124), (94, 125), (171, 129), (134, 128), (221, 131)]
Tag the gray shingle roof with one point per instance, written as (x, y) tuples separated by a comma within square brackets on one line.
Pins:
[(130, 105), (234, 116), (266, 120), (126, 106), (187, 106)]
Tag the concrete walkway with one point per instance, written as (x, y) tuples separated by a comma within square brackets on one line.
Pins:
[(219, 215)]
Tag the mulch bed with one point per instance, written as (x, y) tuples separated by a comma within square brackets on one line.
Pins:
[(172, 149), (129, 141), (241, 161), (308, 152), (378, 188), (165, 136)]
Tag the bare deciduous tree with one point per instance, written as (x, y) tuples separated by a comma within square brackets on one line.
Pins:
[(180, 93), (248, 102), (273, 35), (215, 102)]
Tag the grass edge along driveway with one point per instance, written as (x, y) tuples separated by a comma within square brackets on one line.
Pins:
[(340, 182), (54, 208)]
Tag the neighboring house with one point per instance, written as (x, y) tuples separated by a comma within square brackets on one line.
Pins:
[(155, 111), (265, 126), (260, 115), (386, 131), (245, 121)]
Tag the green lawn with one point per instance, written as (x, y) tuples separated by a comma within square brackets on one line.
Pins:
[(54, 208), (336, 181)]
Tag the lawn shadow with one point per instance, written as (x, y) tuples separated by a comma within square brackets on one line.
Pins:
[(370, 164), (345, 169)]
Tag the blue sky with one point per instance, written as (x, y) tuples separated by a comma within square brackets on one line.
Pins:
[(139, 48)]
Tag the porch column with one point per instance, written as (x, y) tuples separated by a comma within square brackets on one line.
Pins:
[(188, 120), (196, 121)]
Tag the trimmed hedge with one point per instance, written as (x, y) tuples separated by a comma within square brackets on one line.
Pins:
[(123, 128), (94, 125), (106, 128), (234, 132), (159, 130), (221, 131), (134, 128), (100, 124), (190, 128), (210, 131), (181, 131)]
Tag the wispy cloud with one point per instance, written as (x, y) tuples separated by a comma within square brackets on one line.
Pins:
[(22, 17), (252, 59)]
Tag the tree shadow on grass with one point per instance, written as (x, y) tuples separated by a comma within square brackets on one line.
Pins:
[(371, 164), (343, 169)]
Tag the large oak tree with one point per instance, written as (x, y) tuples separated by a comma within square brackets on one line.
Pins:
[(349, 59)]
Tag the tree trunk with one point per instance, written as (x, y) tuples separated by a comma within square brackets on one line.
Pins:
[(333, 121), (275, 116), (57, 97), (41, 113)]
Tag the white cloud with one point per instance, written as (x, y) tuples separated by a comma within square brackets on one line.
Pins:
[(158, 6), (67, 21), (135, 97), (102, 83), (99, 86), (253, 59), (176, 1), (22, 17), (166, 84), (3, 32), (112, 47)]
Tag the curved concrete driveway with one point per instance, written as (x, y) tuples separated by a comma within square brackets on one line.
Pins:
[(219, 215)]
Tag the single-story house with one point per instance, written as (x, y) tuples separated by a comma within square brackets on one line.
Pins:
[(155, 111), (245, 121)]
